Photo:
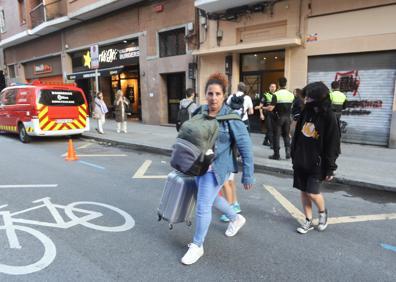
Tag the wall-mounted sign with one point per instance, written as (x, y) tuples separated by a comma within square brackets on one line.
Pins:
[(92, 73), (87, 59), (107, 56), (42, 68), (112, 55), (312, 37), (94, 57), (158, 8)]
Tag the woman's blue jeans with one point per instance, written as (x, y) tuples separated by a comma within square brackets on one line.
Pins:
[(208, 195)]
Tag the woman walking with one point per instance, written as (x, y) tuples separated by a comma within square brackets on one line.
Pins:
[(121, 103), (224, 164), (100, 111)]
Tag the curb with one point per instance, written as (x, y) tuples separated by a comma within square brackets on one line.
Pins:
[(258, 167), (140, 147)]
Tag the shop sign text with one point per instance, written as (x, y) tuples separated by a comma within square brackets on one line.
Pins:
[(42, 68), (111, 55)]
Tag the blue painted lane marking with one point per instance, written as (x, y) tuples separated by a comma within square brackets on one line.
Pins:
[(389, 247), (91, 164)]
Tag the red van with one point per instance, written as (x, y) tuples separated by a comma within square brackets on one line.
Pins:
[(43, 109)]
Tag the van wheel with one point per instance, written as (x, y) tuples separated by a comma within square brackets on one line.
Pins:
[(23, 134)]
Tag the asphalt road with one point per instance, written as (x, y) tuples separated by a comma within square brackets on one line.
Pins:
[(116, 235)]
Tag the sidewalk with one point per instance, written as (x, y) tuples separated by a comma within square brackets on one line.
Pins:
[(359, 165)]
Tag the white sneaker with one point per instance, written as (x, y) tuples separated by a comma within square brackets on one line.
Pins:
[(118, 131), (234, 226), (193, 254)]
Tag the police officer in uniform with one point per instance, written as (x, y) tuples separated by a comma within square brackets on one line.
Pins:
[(338, 100), (267, 100), (281, 118)]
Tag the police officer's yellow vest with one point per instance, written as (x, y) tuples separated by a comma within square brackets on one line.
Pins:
[(284, 96), (268, 97), (337, 98)]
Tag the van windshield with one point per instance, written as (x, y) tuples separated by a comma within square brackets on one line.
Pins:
[(56, 97)]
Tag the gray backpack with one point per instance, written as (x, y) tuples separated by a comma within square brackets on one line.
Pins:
[(193, 151)]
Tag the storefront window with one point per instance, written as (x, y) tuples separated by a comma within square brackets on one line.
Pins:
[(127, 82)]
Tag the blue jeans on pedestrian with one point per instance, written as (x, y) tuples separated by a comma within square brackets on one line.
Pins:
[(208, 195)]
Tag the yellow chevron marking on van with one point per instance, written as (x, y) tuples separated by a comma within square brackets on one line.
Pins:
[(71, 125), (43, 112), (44, 121), (51, 124), (78, 124), (59, 125), (39, 106), (82, 121), (82, 111)]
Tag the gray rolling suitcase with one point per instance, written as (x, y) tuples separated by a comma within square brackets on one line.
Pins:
[(178, 199)]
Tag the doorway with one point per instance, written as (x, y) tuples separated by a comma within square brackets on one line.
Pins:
[(128, 83), (175, 86), (258, 71), (85, 85)]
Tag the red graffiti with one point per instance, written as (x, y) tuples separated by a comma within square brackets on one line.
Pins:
[(349, 81), (364, 104)]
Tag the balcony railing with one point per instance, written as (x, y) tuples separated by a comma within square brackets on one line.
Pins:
[(47, 12)]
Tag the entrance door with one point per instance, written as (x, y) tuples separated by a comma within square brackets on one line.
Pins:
[(175, 85), (85, 85), (258, 71)]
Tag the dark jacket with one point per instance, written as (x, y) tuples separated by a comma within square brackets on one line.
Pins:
[(316, 142), (297, 108)]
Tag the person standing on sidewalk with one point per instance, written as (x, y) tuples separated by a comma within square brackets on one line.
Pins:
[(266, 105), (100, 111), (224, 163), (281, 118), (121, 103), (314, 151), (241, 103), (296, 109), (338, 100), (186, 108)]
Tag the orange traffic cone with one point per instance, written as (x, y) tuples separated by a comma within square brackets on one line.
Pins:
[(71, 153)]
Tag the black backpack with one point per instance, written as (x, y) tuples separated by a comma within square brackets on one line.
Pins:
[(182, 116), (236, 103)]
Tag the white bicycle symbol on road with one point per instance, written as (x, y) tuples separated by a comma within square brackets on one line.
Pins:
[(11, 226)]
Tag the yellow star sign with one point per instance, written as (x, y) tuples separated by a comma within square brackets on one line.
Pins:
[(87, 60)]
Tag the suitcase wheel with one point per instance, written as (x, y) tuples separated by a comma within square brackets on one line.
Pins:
[(170, 226), (159, 217), (189, 223)]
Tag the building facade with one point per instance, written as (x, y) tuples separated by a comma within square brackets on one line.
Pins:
[(353, 42), (154, 49), (139, 47)]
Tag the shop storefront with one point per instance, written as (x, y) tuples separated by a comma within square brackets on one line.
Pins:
[(46, 70), (258, 71), (118, 69), (368, 80)]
